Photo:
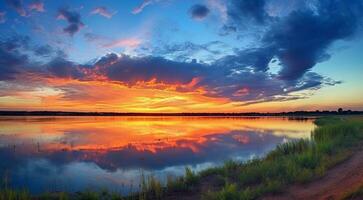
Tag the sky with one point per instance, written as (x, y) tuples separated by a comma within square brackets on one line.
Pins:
[(181, 56)]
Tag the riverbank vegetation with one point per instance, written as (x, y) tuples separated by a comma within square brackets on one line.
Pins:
[(297, 161)]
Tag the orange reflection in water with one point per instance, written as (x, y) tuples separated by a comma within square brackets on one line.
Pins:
[(143, 133)]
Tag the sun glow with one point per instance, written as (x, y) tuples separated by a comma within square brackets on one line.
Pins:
[(141, 133)]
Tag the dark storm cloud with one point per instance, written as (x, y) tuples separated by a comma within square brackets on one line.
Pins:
[(198, 11), (18, 6), (241, 77), (12, 61), (16, 60), (242, 10), (256, 59), (188, 50), (107, 60), (15, 42), (130, 70), (73, 18), (227, 29), (234, 79), (10, 64), (63, 68), (301, 39), (44, 50), (188, 47)]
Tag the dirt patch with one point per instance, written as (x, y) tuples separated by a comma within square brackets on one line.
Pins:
[(337, 182)]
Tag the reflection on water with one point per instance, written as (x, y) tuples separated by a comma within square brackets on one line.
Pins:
[(75, 153)]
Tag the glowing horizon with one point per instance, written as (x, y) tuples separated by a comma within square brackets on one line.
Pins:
[(171, 56)]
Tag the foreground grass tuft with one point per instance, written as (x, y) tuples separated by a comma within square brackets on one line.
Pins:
[(8, 194)]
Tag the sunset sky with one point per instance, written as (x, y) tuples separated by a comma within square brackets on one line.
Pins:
[(181, 55)]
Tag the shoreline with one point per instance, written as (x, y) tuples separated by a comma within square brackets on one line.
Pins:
[(300, 162), (184, 114)]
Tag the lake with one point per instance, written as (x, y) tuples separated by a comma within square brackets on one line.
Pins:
[(78, 153)]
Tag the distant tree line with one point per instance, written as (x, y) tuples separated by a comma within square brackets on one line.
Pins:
[(340, 111)]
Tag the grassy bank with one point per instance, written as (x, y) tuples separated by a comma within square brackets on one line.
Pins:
[(298, 161)]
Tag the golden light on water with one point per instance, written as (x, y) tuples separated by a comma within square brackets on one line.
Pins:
[(143, 133)]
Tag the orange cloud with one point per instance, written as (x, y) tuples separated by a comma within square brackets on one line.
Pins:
[(129, 42), (113, 96)]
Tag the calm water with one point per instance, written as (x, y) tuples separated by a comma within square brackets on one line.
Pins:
[(77, 153)]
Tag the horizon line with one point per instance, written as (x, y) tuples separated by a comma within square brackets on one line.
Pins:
[(96, 113)]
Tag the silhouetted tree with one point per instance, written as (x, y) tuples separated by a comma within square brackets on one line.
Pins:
[(340, 110)]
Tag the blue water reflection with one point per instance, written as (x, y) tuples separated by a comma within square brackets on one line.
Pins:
[(72, 154)]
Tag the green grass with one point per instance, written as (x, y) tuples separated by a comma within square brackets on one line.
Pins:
[(297, 161), (8, 194)]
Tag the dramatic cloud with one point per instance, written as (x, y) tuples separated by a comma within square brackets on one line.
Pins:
[(218, 79), (187, 51), (37, 6), (236, 78), (103, 11), (73, 18), (242, 10), (293, 42), (199, 11), (2, 17), (45, 50), (62, 68), (18, 6), (16, 58), (131, 70), (12, 61), (141, 7), (300, 40)]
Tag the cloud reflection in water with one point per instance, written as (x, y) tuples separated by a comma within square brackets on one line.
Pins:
[(76, 153)]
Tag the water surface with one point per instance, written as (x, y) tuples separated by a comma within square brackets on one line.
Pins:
[(77, 153)]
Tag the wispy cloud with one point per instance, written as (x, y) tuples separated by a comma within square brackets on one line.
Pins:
[(103, 11), (37, 6), (128, 42), (106, 42), (2, 17), (18, 6), (143, 5), (220, 7)]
